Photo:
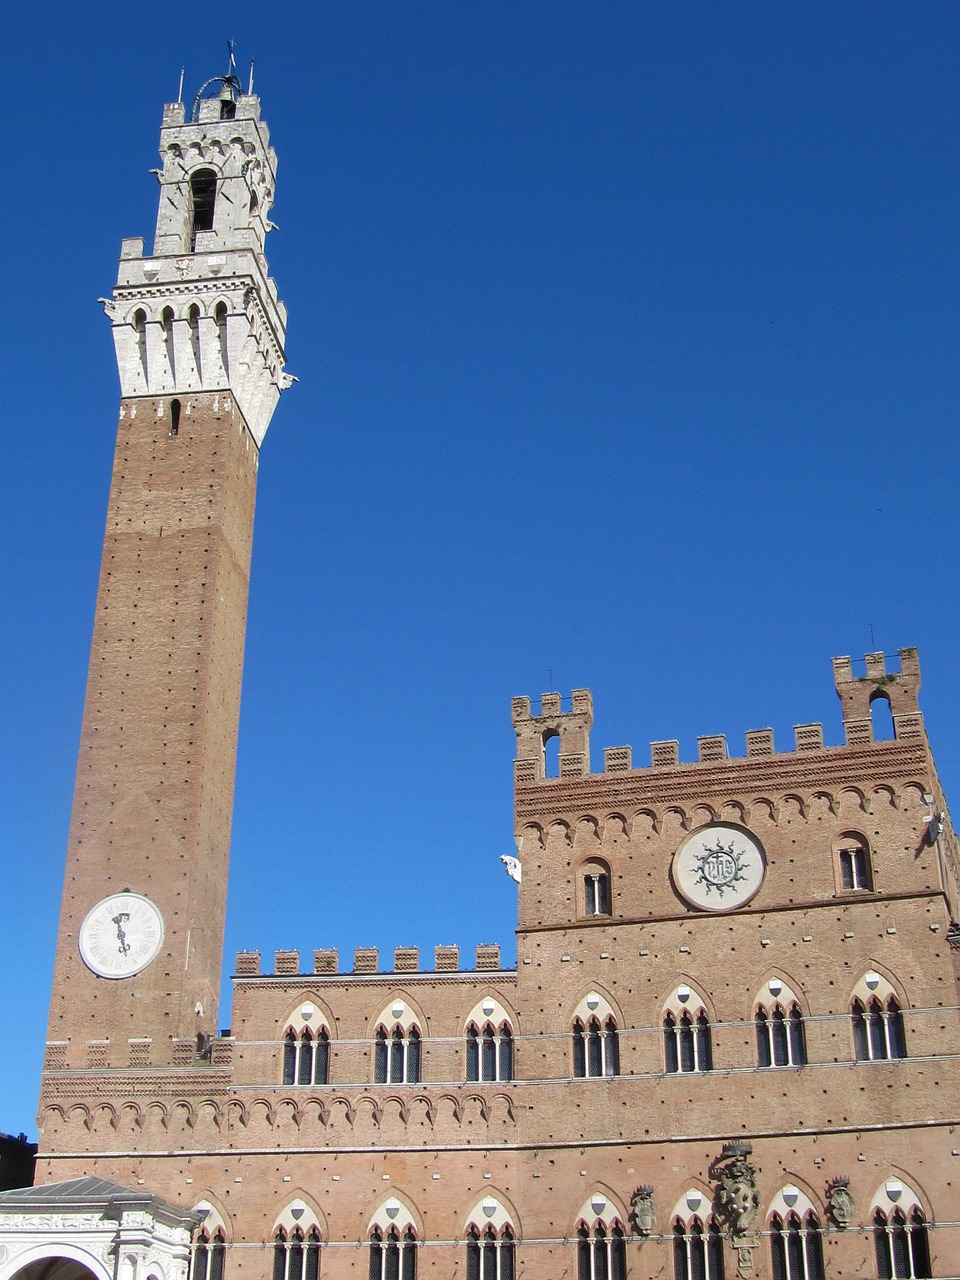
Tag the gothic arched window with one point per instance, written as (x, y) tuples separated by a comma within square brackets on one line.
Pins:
[(393, 1256), (901, 1245), (489, 1052), (296, 1256), (207, 1255), (491, 1256), (601, 1253), (697, 1250), (396, 1055), (878, 1030), (796, 1248), (306, 1057), (596, 1050), (686, 1042), (780, 1037)]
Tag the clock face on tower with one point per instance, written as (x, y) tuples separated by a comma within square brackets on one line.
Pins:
[(121, 935)]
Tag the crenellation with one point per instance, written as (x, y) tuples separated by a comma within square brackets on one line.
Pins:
[(759, 742), (712, 747), (808, 737), (326, 960)]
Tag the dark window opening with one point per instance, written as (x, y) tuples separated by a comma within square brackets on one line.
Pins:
[(878, 1034), (203, 199), (174, 417)]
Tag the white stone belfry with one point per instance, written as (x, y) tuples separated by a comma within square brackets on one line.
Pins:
[(202, 314)]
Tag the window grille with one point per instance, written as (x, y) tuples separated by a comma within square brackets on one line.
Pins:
[(393, 1257), (491, 1257), (796, 1248), (686, 1043), (878, 1033), (601, 1254), (697, 1252), (902, 1246), (596, 1049), (397, 1056), (489, 1053), (780, 1038), (306, 1057)]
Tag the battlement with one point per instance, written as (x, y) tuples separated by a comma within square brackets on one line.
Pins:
[(899, 689), (366, 960)]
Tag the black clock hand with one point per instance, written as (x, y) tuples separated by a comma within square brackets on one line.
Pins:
[(118, 921)]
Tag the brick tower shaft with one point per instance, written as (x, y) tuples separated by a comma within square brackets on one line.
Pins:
[(199, 336)]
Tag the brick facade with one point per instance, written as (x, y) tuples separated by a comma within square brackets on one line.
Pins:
[(616, 1080)]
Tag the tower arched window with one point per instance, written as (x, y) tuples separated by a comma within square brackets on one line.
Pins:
[(697, 1250), (901, 1245), (393, 1256), (878, 1033), (193, 325), (491, 1255), (601, 1252), (686, 1042), (306, 1056), (208, 1255), (780, 1037), (796, 1248), (166, 324), (140, 330), (489, 1052), (220, 316), (595, 881), (296, 1255), (203, 200), (596, 1050), (854, 866), (396, 1055)]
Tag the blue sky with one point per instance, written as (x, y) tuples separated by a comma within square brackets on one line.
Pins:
[(627, 342)]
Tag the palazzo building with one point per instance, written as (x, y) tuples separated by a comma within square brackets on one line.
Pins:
[(729, 1047)]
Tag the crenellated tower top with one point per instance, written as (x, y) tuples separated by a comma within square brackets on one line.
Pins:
[(202, 314)]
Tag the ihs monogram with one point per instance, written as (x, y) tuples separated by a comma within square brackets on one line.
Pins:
[(720, 868)]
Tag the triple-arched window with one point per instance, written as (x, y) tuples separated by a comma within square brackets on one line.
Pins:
[(601, 1252), (393, 1254), (489, 1052), (296, 1254), (396, 1055), (686, 1042), (901, 1244), (780, 1036), (306, 1056), (596, 1049), (491, 1254), (796, 1247), (878, 1029), (697, 1249)]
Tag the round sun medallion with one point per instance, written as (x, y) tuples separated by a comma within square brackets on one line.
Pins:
[(719, 868)]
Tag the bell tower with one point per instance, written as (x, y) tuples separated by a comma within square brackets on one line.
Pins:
[(199, 333)]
